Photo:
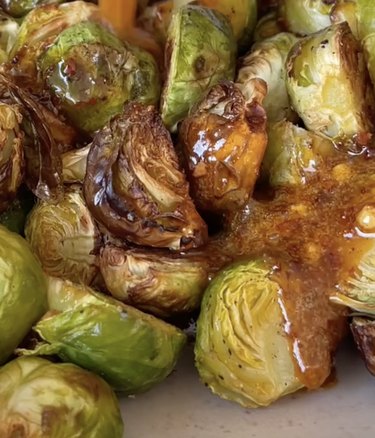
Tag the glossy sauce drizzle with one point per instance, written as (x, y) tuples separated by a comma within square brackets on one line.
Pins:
[(314, 238)]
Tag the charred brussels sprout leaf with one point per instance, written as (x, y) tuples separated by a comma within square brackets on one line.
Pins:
[(266, 61), (19, 8), (12, 163), (38, 31), (329, 86), (267, 27), (50, 400), (293, 155), (23, 292), (200, 52), (65, 238), (223, 142), (133, 351), (93, 74), (242, 352), (14, 218), (161, 283), (134, 187), (305, 16)]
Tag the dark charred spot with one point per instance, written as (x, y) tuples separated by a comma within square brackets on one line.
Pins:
[(199, 64)]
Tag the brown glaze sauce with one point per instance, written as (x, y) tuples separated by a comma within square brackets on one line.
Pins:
[(312, 234)]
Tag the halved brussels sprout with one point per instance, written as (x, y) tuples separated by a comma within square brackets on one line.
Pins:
[(133, 351), (223, 142), (242, 14), (134, 187), (38, 31), (329, 86), (23, 292), (267, 27), (242, 351), (254, 342), (266, 61), (50, 400), (74, 165), (92, 73), (65, 238), (200, 52), (19, 8), (12, 161), (293, 155), (304, 17), (161, 283), (363, 330)]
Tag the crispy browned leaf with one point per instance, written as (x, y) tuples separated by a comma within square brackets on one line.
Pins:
[(134, 186), (363, 330)]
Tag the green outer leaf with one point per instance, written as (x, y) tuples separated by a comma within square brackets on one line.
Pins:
[(132, 350), (44, 399), (23, 294), (202, 52), (241, 350)]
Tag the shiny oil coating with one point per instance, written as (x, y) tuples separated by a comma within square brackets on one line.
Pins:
[(314, 234)]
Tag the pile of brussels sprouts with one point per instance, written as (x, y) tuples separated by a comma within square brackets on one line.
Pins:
[(129, 199)]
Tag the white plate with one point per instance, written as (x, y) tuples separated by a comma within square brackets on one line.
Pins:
[(182, 407)]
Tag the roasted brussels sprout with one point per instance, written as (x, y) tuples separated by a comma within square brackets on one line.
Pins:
[(74, 164), (363, 330), (23, 292), (200, 52), (134, 187), (161, 283), (223, 142), (293, 155), (38, 31), (65, 238), (329, 86), (266, 61), (19, 8), (92, 73), (49, 400), (12, 162), (305, 16), (133, 351), (242, 351)]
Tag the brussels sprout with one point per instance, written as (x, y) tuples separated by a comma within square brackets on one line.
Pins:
[(23, 293), (242, 14), (363, 330), (329, 86), (134, 187), (266, 61), (305, 16), (19, 8), (268, 26), (12, 162), (74, 165), (49, 400), (93, 74), (223, 142), (14, 218), (293, 154), (242, 351), (133, 351), (65, 238), (200, 52), (161, 283)]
